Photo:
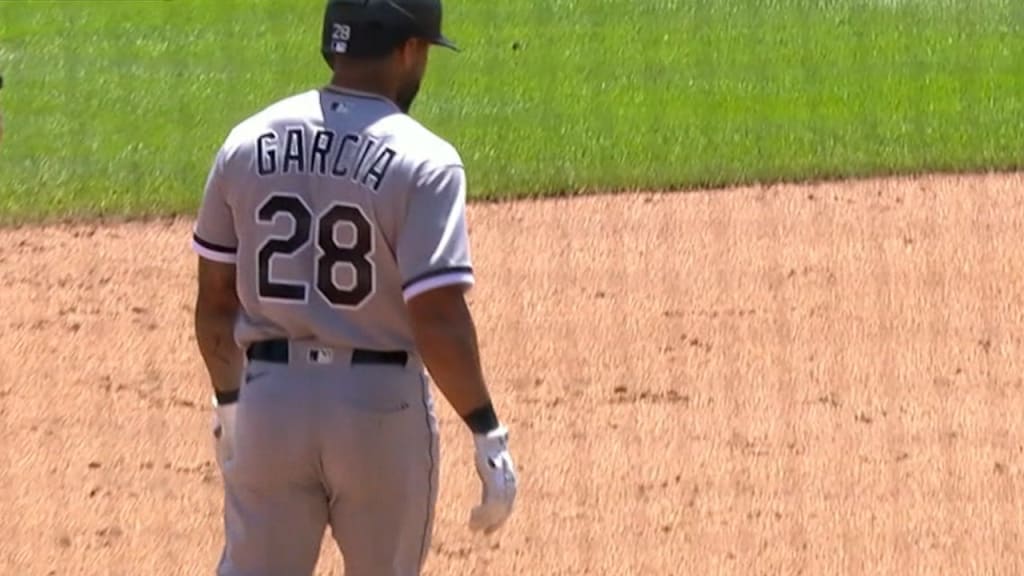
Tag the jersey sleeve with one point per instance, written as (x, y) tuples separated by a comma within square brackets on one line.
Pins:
[(433, 246), (213, 236)]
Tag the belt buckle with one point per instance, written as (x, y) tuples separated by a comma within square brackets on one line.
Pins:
[(321, 356)]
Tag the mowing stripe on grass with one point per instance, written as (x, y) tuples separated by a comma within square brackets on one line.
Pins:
[(118, 107)]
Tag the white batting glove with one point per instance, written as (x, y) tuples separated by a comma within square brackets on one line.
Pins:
[(497, 472), (224, 431)]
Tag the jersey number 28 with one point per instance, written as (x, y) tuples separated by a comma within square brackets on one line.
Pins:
[(330, 254)]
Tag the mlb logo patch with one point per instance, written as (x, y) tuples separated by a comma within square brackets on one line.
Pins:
[(321, 356)]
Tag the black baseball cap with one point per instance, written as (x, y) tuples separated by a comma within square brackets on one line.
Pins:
[(364, 27)]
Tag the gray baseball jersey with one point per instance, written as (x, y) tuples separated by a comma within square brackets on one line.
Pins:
[(335, 207)]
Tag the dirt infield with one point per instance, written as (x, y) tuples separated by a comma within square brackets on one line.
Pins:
[(784, 380)]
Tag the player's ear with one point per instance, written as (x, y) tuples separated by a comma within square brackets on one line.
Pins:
[(412, 51)]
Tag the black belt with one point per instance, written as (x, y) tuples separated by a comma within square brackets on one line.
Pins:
[(276, 351)]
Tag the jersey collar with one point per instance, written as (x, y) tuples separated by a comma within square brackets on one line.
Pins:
[(358, 94)]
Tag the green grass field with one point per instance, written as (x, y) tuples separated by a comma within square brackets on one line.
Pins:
[(118, 107)]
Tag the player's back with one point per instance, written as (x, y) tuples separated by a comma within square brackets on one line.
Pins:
[(334, 205)]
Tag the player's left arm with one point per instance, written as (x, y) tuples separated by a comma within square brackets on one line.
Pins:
[(215, 242), (216, 310)]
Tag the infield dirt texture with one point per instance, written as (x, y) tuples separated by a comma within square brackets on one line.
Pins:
[(765, 379), (776, 380)]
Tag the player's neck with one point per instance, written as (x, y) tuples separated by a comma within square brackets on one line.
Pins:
[(365, 84)]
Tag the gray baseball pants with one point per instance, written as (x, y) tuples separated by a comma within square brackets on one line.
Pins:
[(330, 437)]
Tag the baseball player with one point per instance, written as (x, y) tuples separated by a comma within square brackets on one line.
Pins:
[(333, 262)]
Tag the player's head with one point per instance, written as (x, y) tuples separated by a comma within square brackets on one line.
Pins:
[(390, 37)]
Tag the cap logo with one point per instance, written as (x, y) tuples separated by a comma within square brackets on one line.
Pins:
[(340, 36)]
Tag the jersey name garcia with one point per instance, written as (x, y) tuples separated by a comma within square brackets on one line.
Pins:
[(325, 153)]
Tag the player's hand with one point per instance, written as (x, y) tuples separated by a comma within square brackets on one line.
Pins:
[(497, 473), (224, 432)]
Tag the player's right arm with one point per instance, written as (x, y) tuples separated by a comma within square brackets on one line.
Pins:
[(433, 256), (446, 338)]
